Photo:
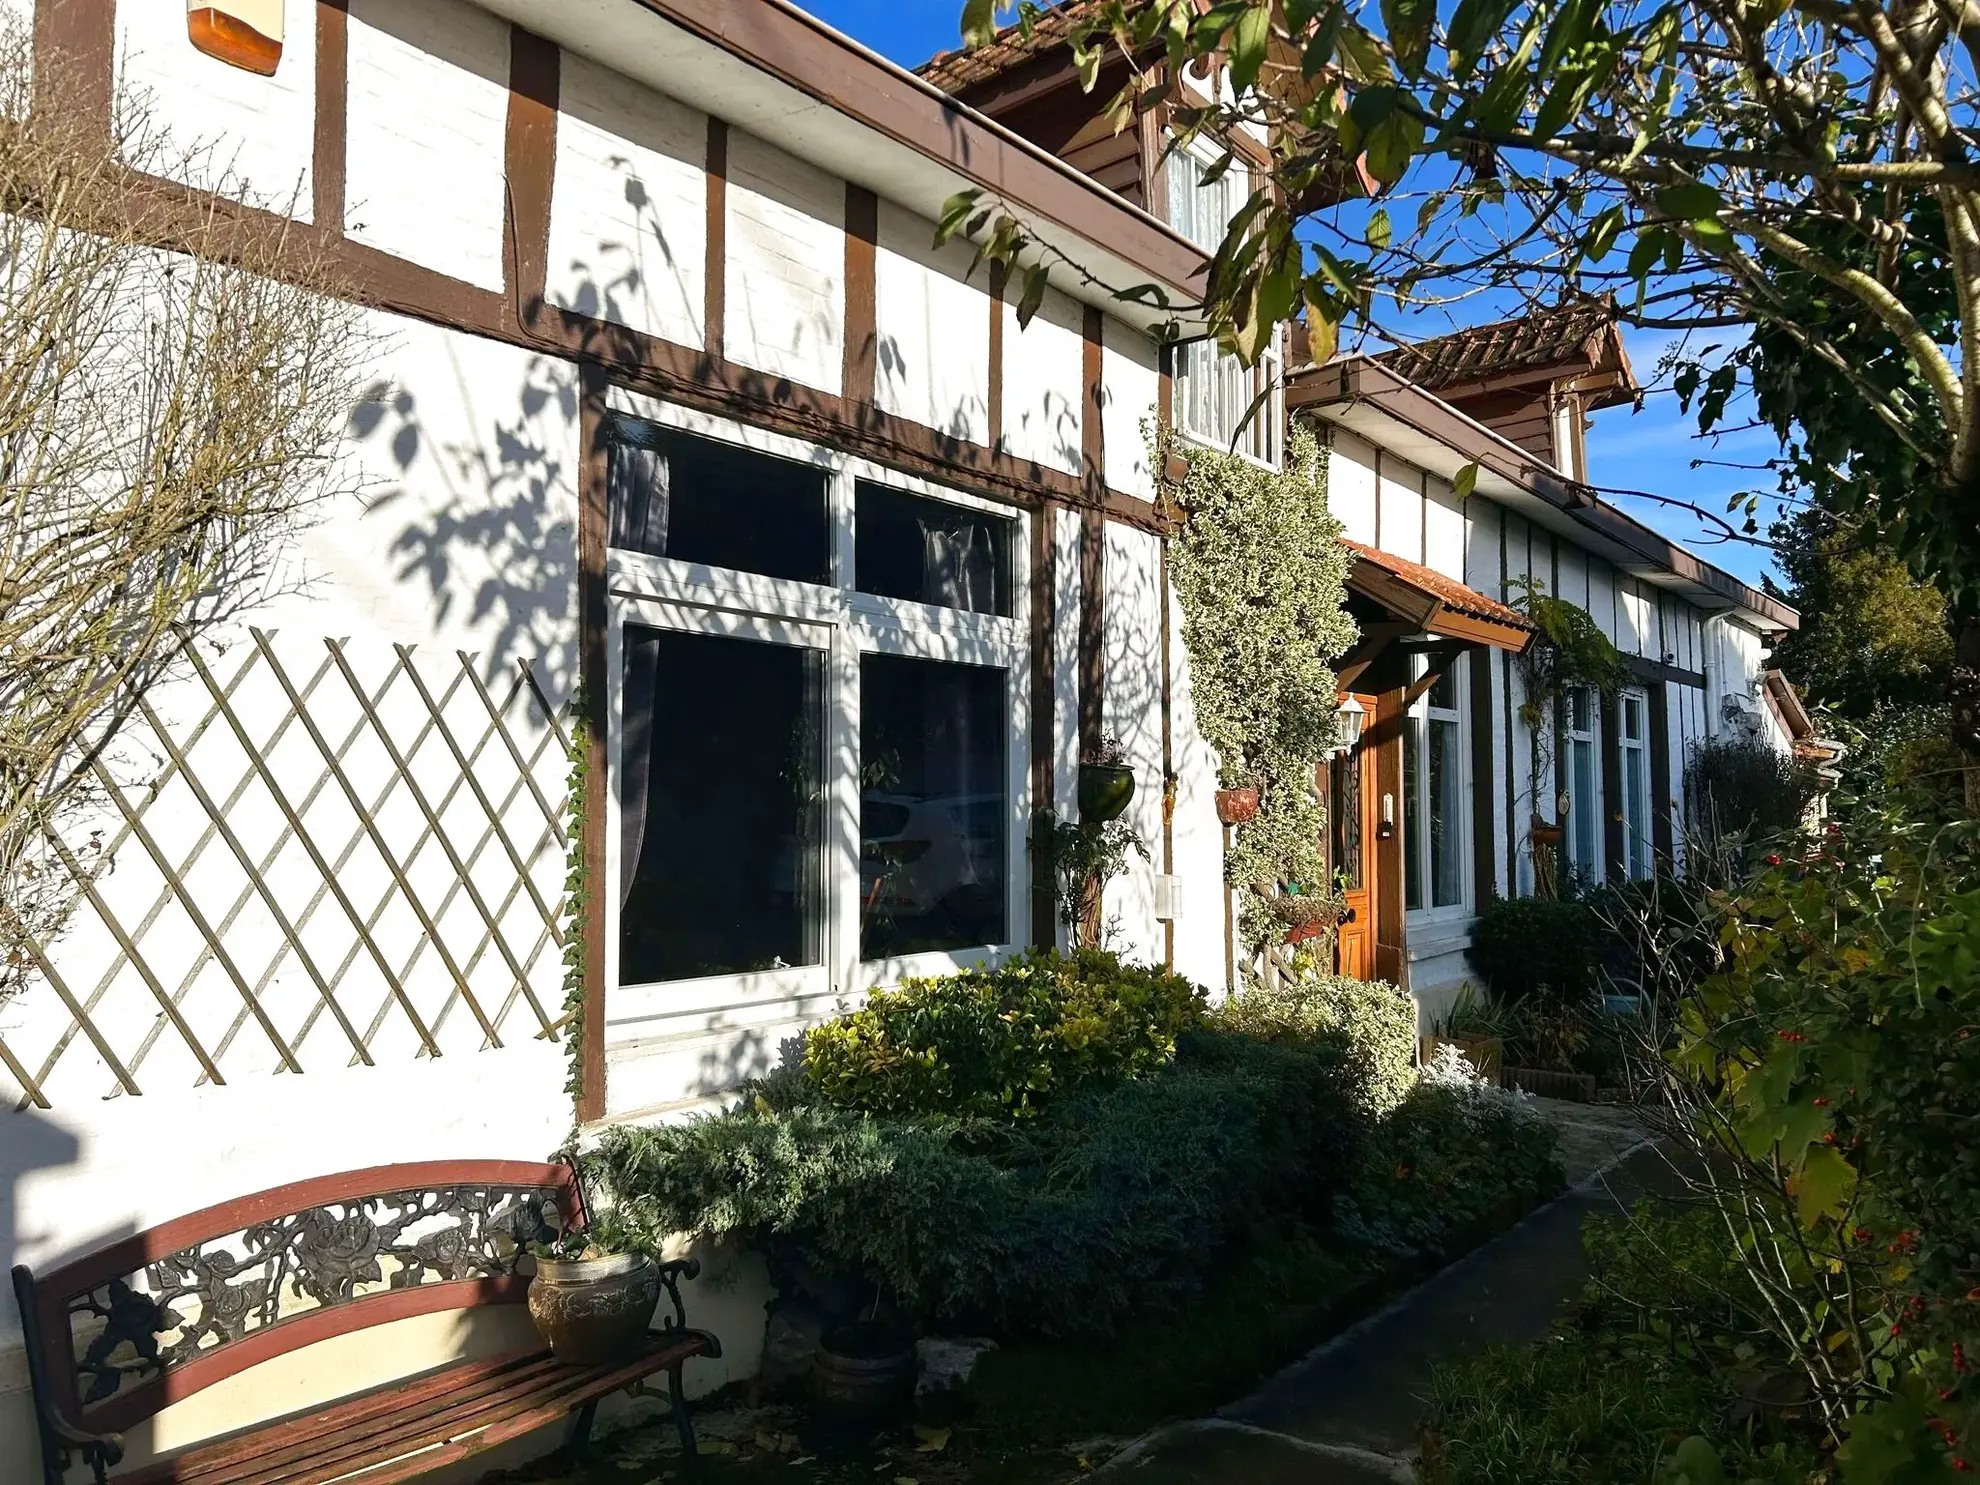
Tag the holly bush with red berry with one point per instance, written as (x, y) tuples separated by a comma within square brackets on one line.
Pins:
[(1829, 1072)]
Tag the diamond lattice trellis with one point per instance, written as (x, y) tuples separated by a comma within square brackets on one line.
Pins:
[(338, 855)]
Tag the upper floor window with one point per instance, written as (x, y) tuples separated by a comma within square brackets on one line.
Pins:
[(1201, 208)]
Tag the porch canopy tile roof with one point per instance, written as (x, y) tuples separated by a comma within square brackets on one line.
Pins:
[(1448, 591)]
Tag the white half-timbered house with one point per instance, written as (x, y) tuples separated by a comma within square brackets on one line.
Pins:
[(687, 458)]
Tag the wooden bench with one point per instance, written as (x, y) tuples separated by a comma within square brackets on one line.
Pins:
[(117, 1336)]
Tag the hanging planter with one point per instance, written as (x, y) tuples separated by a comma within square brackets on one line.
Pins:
[(1306, 917), (1236, 806), (1545, 834), (1105, 791)]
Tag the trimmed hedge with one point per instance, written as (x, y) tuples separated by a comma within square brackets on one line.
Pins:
[(1070, 1222), (1524, 946), (1003, 1041), (1376, 1021)]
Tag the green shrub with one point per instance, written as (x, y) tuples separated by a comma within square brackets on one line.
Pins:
[(1376, 1022), (1002, 1041), (1527, 945), (1741, 785), (1116, 1199), (1455, 1159)]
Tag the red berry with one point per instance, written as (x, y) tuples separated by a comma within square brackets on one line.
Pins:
[(1821, 1103), (1773, 861)]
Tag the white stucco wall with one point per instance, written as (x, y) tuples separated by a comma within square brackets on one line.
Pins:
[(1351, 487), (1132, 712), (933, 329), (229, 129), (1044, 370), (629, 214), (786, 265), (1131, 384), (427, 117), (1199, 838)]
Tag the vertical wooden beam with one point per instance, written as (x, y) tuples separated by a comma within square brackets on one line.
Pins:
[(1506, 715), (1386, 896), (75, 45), (594, 689), (1485, 855), (333, 105), (862, 331), (715, 301), (1663, 828), (995, 414), (1092, 545), (535, 77), (1168, 759), (1044, 604)]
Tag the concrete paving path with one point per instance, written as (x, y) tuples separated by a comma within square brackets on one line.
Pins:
[(1348, 1414)]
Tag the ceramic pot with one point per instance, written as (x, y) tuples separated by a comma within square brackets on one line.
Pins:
[(1105, 791), (594, 1311), (1547, 835), (1235, 806), (864, 1370)]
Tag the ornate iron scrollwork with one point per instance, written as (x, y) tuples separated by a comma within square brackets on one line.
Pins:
[(192, 1302)]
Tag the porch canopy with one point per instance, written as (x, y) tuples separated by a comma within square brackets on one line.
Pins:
[(1404, 607)]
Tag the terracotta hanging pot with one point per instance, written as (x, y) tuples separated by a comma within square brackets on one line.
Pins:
[(1545, 834), (243, 33), (1235, 806)]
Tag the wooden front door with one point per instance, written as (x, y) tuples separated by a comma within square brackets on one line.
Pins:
[(1353, 825)]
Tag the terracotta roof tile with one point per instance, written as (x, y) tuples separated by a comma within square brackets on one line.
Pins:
[(954, 71), (1448, 591), (1541, 338)]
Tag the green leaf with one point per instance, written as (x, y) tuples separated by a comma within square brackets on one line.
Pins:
[(1465, 480), (1380, 233), (1035, 281), (1362, 56), (1472, 28), (1693, 1462), (1391, 144), (1689, 202), (1824, 1184), (979, 22), (955, 211), (1408, 23), (1602, 233), (1248, 43)]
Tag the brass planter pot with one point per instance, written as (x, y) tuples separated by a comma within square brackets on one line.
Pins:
[(594, 1311)]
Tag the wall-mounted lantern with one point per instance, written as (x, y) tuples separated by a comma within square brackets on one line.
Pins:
[(1349, 721), (241, 33)]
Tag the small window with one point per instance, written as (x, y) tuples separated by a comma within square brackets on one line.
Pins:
[(720, 807), (1583, 781), (1638, 848), (716, 504), (928, 551), (1218, 401), (1435, 831), (1199, 211), (934, 806)]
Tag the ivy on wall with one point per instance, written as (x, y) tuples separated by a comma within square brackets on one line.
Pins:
[(1261, 575), (577, 895)]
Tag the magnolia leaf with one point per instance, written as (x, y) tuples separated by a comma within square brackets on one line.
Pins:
[(1380, 233), (1712, 235), (1824, 1184), (1035, 281), (955, 211), (1465, 480), (1689, 202), (979, 22), (1471, 30), (1408, 24), (1361, 55), (1602, 234), (1248, 43), (1391, 143)]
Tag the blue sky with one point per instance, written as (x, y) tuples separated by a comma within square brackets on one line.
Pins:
[(1650, 450)]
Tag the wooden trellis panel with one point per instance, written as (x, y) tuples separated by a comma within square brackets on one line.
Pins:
[(336, 856)]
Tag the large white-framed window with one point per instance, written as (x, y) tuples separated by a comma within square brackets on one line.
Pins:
[(1218, 399), (1581, 781), (1437, 800), (819, 702), (1633, 710)]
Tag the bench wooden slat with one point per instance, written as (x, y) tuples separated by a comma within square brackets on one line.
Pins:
[(379, 1446), (227, 1460)]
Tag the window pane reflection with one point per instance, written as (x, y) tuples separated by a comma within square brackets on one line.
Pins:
[(934, 812), (1412, 816), (928, 551), (720, 807), (1446, 819)]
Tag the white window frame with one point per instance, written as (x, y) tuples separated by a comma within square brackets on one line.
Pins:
[(659, 592), (1262, 440), (1594, 872), (1416, 853), (1639, 846)]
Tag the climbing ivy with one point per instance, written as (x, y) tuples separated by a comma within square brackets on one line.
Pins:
[(1262, 577), (577, 896)]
